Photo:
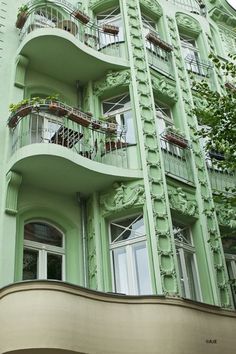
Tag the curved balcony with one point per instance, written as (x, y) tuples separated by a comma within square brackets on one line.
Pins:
[(51, 34), (45, 316), (50, 136)]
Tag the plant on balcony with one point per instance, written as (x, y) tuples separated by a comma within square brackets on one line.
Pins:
[(155, 39), (81, 16), (176, 137), (22, 16), (79, 117), (110, 29), (22, 108)]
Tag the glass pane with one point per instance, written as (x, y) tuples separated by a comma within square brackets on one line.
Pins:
[(116, 104), (120, 271), (142, 269), (127, 229), (183, 293), (189, 261), (30, 264), (43, 233), (54, 266), (128, 122)]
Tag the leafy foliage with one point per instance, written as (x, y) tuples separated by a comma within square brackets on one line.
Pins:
[(217, 113)]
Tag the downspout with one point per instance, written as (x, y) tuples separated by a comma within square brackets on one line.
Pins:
[(83, 218)]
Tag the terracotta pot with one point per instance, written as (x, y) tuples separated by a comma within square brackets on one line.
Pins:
[(110, 29), (80, 15), (176, 140), (21, 19)]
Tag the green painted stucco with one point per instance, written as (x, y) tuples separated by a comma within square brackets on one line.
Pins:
[(52, 183)]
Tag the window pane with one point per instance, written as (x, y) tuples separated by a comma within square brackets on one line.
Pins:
[(43, 233), (54, 266), (128, 123), (190, 273), (30, 264), (127, 229), (120, 271), (142, 269), (183, 292)]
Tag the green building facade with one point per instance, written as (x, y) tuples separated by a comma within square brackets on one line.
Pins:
[(106, 186)]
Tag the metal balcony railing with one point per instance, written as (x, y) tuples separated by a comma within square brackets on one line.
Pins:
[(53, 122), (220, 179), (193, 6), (176, 161), (159, 53), (105, 39)]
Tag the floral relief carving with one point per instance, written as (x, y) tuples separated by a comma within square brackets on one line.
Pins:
[(188, 23), (112, 79), (152, 6), (179, 201), (123, 197), (226, 216), (162, 86)]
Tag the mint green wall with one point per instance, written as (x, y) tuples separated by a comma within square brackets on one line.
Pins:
[(88, 260)]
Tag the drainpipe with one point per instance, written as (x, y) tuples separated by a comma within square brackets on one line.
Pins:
[(82, 203)]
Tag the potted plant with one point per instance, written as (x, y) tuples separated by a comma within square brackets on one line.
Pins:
[(110, 29), (22, 16), (155, 39), (176, 137), (79, 117), (81, 16)]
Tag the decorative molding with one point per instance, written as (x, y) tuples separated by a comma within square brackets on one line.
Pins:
[(152, 6), (226, 18), (14, 180), (93, 4), (188, 24), (112, 79), (21, 67), (162, 86), (180, 201), (122, 197)]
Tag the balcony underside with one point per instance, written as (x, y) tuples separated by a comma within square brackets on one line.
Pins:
[(58, 169), (59, 54), (52, 315)]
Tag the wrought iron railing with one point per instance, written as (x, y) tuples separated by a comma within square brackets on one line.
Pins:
[(159, 53), (53, 122), (177, 161), (103, 39), (194, 6), (220, 179)]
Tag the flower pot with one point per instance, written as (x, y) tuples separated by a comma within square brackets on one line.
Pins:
[(53, 106), (110, 29), (96, 125), (79, 118), (24, 111), (177, 140), (111, 127), (155, 39), (81, 16), (21, 19)]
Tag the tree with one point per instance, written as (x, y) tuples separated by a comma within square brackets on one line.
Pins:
[(217, 113)]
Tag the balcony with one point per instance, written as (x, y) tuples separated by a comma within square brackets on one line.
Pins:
[(194, 6), (177, 161), (55, 317), (103, 39), (220, 179), (159, 53), (50, 136)]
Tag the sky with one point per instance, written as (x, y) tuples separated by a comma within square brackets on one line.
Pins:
[(232, 3)]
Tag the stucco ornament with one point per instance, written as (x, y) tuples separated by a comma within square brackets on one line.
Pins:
[(152, 6), (112, 79), (122, 197), (187, 23), (164, 87), (179, 201)]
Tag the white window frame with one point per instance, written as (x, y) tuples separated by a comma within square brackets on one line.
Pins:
[(117, 113), (43, 250), (44, 133), (190, 44), (108, 17), (128, 246), (183, 247)]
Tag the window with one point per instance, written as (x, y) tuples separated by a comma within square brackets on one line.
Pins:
[(229, 245), (191, 55), (149, 25), (43, 128), (110, 17), (186, 262), (43, 256), (119, 109), (129, 257)]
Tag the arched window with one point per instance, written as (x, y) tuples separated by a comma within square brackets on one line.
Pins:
[(44, 252)]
